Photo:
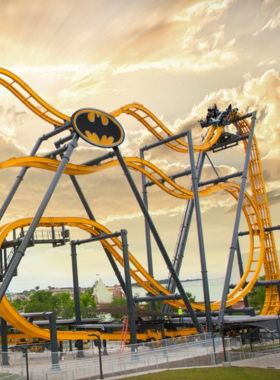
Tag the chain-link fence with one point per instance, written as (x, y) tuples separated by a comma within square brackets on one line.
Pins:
[(182, 352), (194, 351), (263, 356)]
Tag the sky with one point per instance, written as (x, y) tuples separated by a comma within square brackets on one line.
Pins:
[(176, 58)]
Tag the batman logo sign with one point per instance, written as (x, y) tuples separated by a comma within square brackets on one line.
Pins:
[(98, 128)]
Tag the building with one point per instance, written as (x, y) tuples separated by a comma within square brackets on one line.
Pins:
[(104, 296)]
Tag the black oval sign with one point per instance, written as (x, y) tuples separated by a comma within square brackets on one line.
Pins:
[(98, 128)]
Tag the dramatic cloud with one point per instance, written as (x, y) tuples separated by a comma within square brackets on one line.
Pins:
[(177, 59)]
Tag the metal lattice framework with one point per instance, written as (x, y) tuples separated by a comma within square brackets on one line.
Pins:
[(255, 208)]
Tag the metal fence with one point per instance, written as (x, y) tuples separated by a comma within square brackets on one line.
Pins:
[(261, 357), (194, 351), (184, 352)]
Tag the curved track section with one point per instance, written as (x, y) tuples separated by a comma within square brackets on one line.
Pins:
[(160, 131), (29, 98), (271, 265), (262, 249), (114, 246)]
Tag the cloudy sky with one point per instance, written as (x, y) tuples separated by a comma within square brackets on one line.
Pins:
[(174, 57)]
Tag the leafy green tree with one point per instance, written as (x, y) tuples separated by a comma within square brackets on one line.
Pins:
[(19, 304), (87, 303), (67, 305), (40, 301), (117, 302), (61, 304), (256, 296), (191, 297)]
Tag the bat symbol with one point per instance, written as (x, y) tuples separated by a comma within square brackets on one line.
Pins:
[(98, 128)]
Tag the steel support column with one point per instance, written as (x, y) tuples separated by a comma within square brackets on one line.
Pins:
[(129, 297), (24, 169), (53, 334), (147, 229), (237, 221), (76, 290), (116, 270), (4, 342), (241, 270), (200, 235), (21, 250), (158, 240)]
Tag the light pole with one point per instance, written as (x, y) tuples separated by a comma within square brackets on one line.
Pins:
[(99, 353)]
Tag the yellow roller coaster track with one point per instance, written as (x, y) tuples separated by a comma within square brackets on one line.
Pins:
[(255, 208)]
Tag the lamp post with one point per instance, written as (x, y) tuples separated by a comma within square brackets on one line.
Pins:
[(99, 353)]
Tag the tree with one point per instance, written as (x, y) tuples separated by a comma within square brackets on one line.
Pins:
[(191, 297), (87, 303), (67, 305), (19, 304), (256, 296), (37, 287), (42, 300), (117, 302)]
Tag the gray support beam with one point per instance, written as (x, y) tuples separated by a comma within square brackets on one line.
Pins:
[(158, 240), (17, 182), (237, 221), (50, 315), (147, 229), (241, 270), (96, 161), (164, 141), (91, 216), (129, 297), (183, 234), (97, 238), (4, 343), (200, 235), (63, 140), (266, 229), (21, 250), (211, 163), (116, 270), (56, 152), (172, 177), (76, 290), (24, 169), (82, 197), (220, 179), (53, 334)]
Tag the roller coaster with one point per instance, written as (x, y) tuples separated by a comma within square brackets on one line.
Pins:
[(255, 207)]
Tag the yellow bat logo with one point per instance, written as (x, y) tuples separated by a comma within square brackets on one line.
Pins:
[(98, 128)]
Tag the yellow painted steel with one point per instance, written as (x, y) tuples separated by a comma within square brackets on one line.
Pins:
[(160, 131), (29, 97), (138, 273), (255, 208)]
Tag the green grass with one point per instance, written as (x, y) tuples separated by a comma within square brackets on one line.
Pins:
[(232, 373), (9, 376)]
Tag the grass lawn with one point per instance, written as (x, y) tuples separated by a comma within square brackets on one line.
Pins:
[(232, 373)]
